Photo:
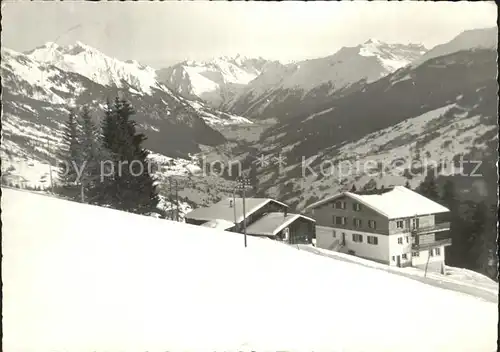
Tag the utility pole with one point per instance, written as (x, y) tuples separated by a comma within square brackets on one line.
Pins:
[(50, 167), (234, 206), (170, 198), (82, 192), (244, 182), (176, 201)]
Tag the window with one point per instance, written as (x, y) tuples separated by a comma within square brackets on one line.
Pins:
[(400, 240), (415, 223), (407, 239), (372, 224), (340, 220), (399, 224), (356, 222), (334, 234), (438, 251), (339, 205), (416, 254), (357, 237), (393, 258), (372, 240), (404, 256), (356, 207), (431, 253)]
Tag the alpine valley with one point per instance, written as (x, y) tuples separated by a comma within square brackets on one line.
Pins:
[(363, 103)]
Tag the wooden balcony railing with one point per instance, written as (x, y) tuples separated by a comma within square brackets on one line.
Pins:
[(432, 244), (443, 226)]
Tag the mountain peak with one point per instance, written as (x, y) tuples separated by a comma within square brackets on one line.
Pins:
[(83, 45), (373, 41)]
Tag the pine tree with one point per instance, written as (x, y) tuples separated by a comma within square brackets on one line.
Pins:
[(428, 188), (370, 185), (480, 240), (407, 184), (353, 189), (457, 225), (131, 187), (448, 196), (68, 153), (92, 154)]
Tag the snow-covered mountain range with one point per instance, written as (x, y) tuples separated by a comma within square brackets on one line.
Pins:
[(295, 87), (41, 85), (366, 102), (214, 81), (436, 114)]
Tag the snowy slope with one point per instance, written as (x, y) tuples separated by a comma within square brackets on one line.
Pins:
[(281, 89), (131, 283), (213, 81)]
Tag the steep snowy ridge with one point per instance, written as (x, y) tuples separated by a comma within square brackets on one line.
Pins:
[(392, 56), (213, 81), (486, 38), (93, 64), (280, 91)]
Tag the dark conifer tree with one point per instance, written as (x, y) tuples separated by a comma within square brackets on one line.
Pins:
[(460, 245), (353, 188), (448, 196), (132, 187), (479, 243), (69, 153), (92, 154), (370, 185), (428, 188)]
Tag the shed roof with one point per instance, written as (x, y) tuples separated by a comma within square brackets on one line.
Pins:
[(219, 224), (223, 210), (272, 223)]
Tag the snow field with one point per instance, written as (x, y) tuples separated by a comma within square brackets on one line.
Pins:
[(79, 278)]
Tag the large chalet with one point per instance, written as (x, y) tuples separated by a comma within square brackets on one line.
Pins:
[(395, 226)]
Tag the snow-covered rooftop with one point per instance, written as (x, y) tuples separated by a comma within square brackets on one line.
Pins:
[(398, 202), (272, 223), (227, 208), (219, 224)]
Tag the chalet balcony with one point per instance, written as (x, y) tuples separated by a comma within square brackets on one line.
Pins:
[(430, 244), (443, 226)]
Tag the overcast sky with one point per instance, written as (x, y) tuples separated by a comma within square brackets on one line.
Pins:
[(163, 33)]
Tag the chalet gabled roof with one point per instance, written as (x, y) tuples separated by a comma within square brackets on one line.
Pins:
[(224, 210), (272, 223), (398, 202)]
